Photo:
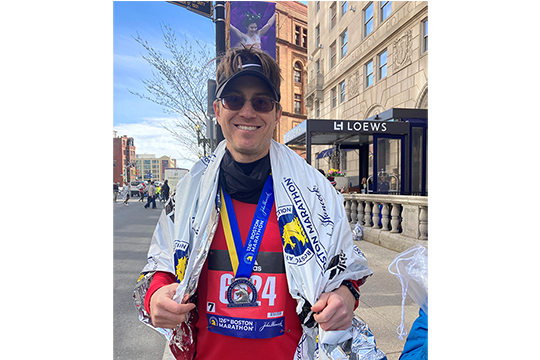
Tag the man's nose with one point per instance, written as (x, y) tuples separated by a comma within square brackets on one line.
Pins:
[(247, 110)]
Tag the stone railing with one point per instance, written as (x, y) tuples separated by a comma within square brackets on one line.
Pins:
[(396, 222)]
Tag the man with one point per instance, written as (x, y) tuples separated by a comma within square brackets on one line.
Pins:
[(115, 190), (126, 192), (252, 283), (151, 196), (165, 190), (384, 185), (142, 191)]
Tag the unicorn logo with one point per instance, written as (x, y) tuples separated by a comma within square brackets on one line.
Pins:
[(294, 230)]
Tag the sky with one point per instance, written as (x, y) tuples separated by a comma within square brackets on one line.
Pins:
[(133, 116)]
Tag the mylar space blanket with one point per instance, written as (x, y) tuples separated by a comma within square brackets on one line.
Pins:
[(318, 251)]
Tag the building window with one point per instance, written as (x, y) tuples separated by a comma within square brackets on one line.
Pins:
[(386, 9), (369, 74), (383, 60), (332, 55), (333, 15), (317, 35), (304, 38), (333, 93), (368, 20), (343, 43), (297, 103), (297, 72), (317, 109), (343, 7), (317, 6), (342, 92), (297, 35), (425, 36), (317, 66)]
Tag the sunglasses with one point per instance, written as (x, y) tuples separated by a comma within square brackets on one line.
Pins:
[(259, 103)]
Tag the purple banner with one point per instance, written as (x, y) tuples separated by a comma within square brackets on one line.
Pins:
[(253, 23)]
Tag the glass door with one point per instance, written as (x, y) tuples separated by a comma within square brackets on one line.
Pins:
[(388, 164)]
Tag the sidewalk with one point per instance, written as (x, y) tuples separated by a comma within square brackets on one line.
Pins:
[(380, 302)]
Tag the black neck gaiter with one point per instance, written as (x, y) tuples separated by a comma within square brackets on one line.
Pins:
[(244, 182)]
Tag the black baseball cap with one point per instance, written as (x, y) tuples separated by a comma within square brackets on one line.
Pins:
[(250, 68)]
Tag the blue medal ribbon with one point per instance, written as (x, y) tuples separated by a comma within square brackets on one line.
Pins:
[(243, 257)]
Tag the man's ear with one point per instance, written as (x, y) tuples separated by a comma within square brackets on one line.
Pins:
[(217, 110), (278, 115)]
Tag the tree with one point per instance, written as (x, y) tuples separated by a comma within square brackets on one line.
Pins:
[(179, 84)]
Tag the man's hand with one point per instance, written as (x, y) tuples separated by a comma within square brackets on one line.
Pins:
[(334, 310), (165, 312)]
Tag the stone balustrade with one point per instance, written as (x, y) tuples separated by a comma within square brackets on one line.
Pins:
[(396, 222)]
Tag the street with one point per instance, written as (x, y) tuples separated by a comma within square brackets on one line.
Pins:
[(133, 227), (380, 301)]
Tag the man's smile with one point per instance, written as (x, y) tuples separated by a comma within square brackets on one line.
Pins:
[(247, 128)]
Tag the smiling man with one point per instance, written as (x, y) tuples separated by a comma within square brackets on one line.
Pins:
[(235, 276)]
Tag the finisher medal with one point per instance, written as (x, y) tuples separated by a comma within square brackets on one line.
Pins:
[(242, 292), (239, 293)]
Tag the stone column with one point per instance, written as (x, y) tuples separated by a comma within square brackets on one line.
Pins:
[(395, 218), (376, 216), (360, 210), (367, 216), (385, 220), (353, 213), (423, 226)]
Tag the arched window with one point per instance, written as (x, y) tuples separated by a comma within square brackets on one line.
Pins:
[(297, 72)]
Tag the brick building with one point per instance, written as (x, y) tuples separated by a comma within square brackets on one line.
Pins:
[(291, 54), (123, 155)]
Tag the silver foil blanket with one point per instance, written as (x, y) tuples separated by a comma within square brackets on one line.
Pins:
[(361, 346)]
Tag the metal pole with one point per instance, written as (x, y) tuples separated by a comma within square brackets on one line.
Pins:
[(220, 47)]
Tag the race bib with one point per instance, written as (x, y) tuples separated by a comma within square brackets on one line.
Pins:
[(267, 290)]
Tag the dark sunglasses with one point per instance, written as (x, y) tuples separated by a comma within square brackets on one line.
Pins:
[(259, 103)]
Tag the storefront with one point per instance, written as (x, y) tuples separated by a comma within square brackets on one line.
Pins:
[(391, 148)]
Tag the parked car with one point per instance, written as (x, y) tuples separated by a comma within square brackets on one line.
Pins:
[(135, 188)]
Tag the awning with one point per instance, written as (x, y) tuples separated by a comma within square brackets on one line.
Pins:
[(325, 153)]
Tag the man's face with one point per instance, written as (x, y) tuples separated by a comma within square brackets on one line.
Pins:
[(248, 133)]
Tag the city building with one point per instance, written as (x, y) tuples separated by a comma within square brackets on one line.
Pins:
[(123, 158), (367, 64), (148, 167), (291, 54)]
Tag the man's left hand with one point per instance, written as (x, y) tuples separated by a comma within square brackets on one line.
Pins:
[(334, 310)]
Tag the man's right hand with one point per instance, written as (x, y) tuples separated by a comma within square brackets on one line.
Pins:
[(165, 312)]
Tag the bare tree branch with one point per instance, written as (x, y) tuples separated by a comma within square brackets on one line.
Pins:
[(179, 85)]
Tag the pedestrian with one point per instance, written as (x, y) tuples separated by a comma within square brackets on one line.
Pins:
[(364, 187), (384, 186), (158, 192), (115, 190), (416, 346), (151, 196), (126, 191), (165, 190), (261, 245), (142, 191)]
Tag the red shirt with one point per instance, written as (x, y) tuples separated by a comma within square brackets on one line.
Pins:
[(276, 304)]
